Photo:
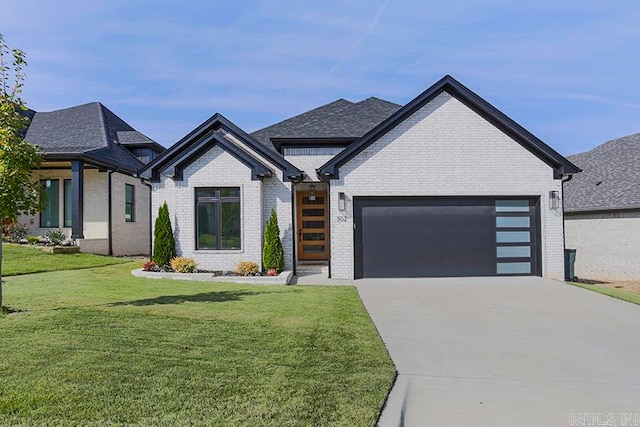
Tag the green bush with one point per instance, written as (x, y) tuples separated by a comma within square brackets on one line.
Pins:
[(33, 239), (272, 252), (56, 237), (164, 244)]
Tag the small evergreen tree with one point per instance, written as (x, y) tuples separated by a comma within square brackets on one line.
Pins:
[(272, 252), (164, 244)]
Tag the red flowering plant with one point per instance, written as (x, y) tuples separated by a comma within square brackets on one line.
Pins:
[(149, 266)]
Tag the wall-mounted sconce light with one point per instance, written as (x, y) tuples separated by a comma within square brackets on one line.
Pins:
[(341, 202), (554, 200), (312, 193)]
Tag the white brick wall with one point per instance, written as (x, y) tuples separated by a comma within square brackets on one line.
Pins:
[(96, 205), (310, 159), (216, 168), (277, 194), (607, 248), (445, 149), (129, 238)]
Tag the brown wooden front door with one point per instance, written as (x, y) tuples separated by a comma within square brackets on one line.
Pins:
[(312, 226)]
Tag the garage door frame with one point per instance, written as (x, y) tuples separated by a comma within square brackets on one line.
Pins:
[(535, 215)]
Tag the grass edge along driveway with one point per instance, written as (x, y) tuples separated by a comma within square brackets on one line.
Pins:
[(632, 297), (99, 346)]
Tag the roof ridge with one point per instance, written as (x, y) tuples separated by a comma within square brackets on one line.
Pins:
[(612, 144), (375, 98), (350, 104), (66, 108), (103, 125)]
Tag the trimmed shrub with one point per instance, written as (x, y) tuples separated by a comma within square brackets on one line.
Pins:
[(272, 252), (56, 237), (164, 244), (32, 240), (247, 268), (181, 264)]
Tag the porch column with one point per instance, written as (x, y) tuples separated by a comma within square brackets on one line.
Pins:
[(77, 190)]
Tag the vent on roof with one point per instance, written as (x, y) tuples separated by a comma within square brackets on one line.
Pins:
[(598, 183)]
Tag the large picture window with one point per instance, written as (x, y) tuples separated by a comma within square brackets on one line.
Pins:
[(50, 213), (218, 218)]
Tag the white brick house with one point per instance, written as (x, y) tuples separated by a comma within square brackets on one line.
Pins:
[(90, 158), (444, 186)]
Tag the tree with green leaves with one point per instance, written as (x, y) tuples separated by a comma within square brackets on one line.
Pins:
[(19, 192), (272, 252), (164, 244)]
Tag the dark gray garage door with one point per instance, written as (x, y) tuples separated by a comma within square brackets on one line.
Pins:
[(446, 237)]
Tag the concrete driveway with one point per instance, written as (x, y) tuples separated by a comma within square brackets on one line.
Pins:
[(506, 352)]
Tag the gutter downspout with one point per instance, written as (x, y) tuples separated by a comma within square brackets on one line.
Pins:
[(294, 225), (110, 208), (564, 236), (146, 184)]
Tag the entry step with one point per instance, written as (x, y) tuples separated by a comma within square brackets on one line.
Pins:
[(309, 269)]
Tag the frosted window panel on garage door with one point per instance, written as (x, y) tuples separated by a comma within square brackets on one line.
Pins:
[(514, 252), (513, 237), (513, 222), (514, 268), (512, 206)]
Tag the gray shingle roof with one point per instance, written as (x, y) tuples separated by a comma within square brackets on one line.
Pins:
[(133, 137), (610, 177), (91, 130), (338, 119), (71, 130)]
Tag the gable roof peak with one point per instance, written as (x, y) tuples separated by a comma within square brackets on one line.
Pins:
[(214, 128), (560, 165)]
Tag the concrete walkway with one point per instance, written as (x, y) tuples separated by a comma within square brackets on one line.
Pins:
[(319, 279), (505, 352)]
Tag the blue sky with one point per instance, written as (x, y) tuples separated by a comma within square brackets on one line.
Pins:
[(568, 71)]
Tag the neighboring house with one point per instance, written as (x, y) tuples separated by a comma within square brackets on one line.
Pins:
[(602, 211), (90, 158), (446, 185)]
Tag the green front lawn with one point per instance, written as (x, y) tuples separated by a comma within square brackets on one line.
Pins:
[(100, 347), (633, 297), (26, 259)]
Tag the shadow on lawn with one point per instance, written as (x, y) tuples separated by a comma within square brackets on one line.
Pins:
[(221, 296)]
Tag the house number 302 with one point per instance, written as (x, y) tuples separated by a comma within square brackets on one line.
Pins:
[(343, 219)]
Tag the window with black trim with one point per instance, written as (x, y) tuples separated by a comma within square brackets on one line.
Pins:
[(50, 213), (218, 218), (129, 203)]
